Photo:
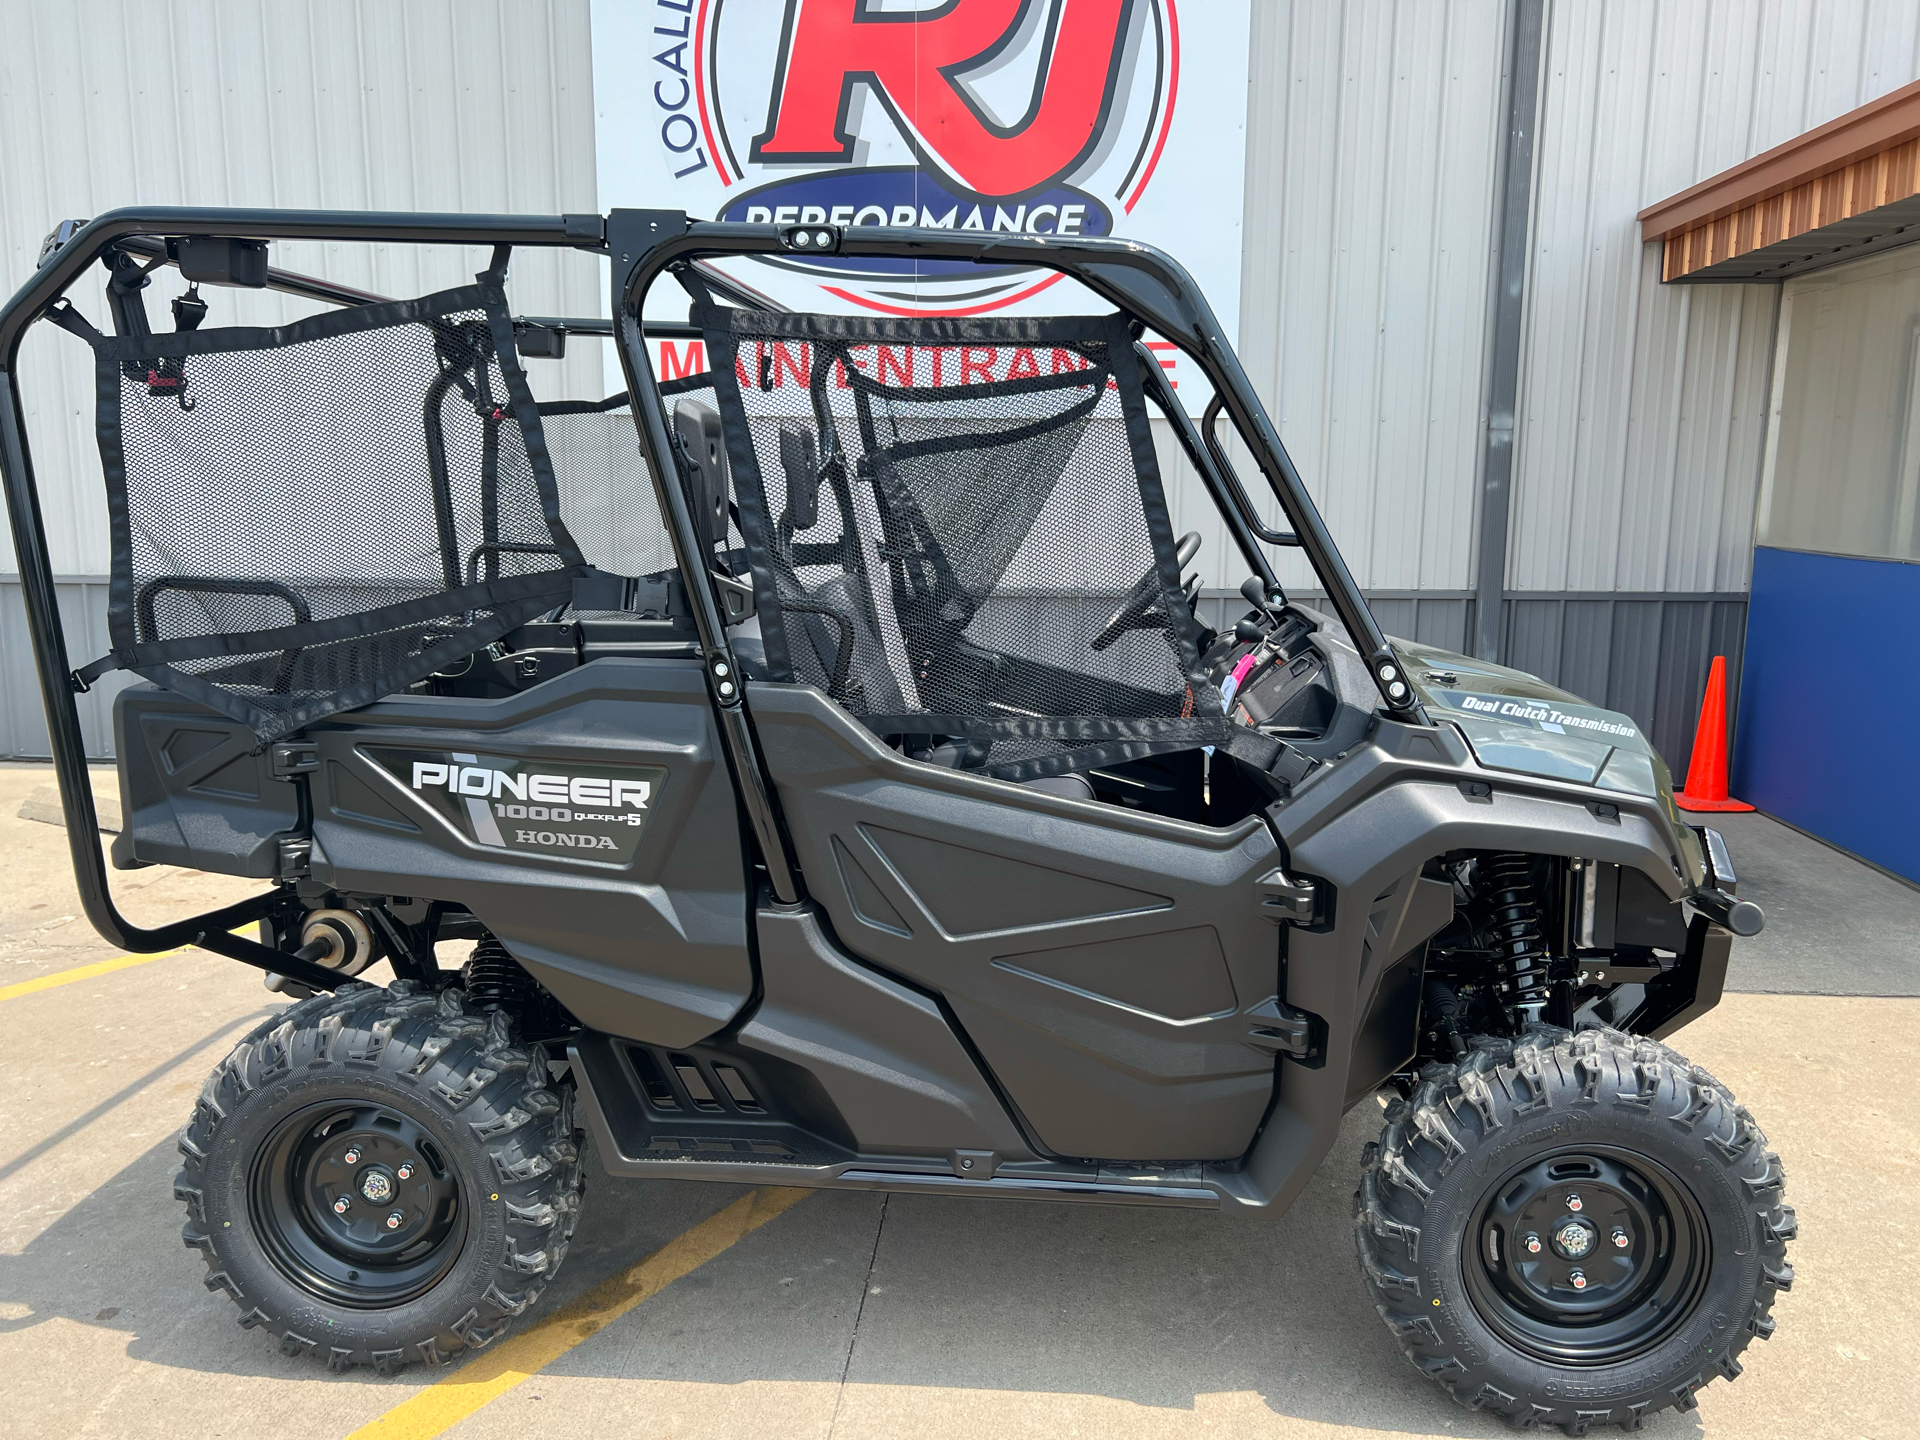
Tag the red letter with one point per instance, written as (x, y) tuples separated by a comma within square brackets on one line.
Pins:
[(801, 369), (975, 370), (1024, 365), (832, 45), (1158, 345), (840, 368), (900, 362), (672, 366)]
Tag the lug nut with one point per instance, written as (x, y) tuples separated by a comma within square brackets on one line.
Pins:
[(352, 1157), (395, 1220), (1620, 1241), (341, 1205), (1573, 1202), (1579, 1280), (406, 1171), (1532, 1242)]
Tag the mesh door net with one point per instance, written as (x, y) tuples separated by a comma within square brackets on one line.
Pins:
[(606, 492), (944, 516), (350, 503)]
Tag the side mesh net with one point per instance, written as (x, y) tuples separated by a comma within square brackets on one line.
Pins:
[(310, 517), (957, 529), (606, 493)]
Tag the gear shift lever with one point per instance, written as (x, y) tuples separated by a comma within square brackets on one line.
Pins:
[(1255, 589), (1250, 631)]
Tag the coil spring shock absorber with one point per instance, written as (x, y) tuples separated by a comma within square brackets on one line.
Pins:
[(1517, 938), (494, 980)]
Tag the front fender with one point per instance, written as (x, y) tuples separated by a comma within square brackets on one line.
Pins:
[(1362, 829)]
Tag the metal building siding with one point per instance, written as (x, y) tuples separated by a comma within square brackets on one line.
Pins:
[(1642, 406), (461, 105), (83, 614), (1372, 142), (479, 105)]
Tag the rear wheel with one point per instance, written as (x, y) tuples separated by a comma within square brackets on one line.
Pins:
[(381, 1177), (1573, 1230)]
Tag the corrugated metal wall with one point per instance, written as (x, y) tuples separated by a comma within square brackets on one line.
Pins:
[(479, 105), (460, 105), (1372, 140), (1641, 410), (1373, 132), (1642, 405), (1373, 137)]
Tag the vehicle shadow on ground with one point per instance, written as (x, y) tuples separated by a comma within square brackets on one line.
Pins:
[(107, 1106), (1154, 1307)]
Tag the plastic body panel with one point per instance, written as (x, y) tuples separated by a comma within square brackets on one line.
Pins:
[(1399, 924), (693, 1106), (884, 1054), (652, 950), (193, 791), (849, 1068), (1362, 828), (1101, 961)]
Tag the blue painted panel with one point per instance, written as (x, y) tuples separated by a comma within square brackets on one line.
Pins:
[(1829, 729)]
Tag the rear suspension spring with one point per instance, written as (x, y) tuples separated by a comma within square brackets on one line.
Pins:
[(1517, 938), (494, 980)]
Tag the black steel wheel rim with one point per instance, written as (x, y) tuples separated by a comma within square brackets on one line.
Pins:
[(1587, 1256), (358, 1204)]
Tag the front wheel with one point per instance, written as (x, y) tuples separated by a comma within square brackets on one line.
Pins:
[(1573, 1230), (381, 1177)]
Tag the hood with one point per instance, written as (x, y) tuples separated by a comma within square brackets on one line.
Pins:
[(1516, 721)]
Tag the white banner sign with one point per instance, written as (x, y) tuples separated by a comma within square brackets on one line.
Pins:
[(1038, 117)]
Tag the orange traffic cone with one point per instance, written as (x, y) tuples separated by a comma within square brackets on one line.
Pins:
[(1707, 771)]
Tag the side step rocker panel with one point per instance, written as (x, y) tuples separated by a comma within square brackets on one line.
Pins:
[(890, 1065)]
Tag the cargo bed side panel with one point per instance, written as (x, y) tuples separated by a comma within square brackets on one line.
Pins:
[(589, 822)]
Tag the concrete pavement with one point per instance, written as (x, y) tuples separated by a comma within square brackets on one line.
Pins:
[(1834, 925), (857, 1315)]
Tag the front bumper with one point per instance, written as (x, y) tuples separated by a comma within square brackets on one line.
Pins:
[(1718, 896), (1695, 983)]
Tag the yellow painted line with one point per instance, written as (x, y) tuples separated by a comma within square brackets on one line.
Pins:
[(445, 1403), (99, 967), (83, 972)]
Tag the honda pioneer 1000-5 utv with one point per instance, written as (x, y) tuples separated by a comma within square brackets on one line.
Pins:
[(825, 758)]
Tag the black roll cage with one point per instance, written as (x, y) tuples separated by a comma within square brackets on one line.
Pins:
[(1141, 281)]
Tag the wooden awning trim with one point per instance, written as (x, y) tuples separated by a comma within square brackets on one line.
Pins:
[(1866, 159)]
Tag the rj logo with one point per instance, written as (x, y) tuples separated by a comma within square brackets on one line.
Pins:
[(914, 67)]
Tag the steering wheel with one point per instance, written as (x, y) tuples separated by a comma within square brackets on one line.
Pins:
[(1136, 611)]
